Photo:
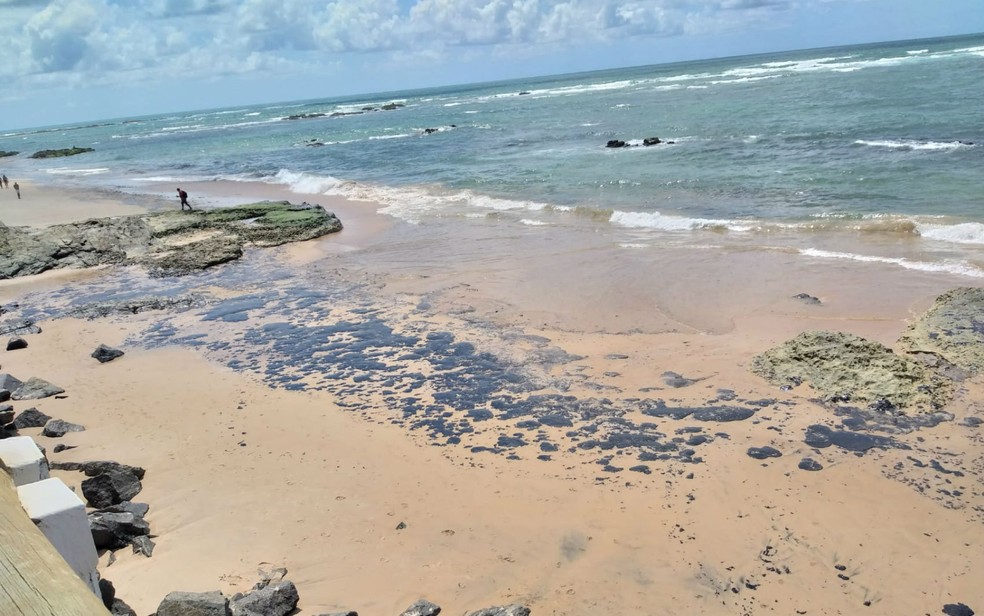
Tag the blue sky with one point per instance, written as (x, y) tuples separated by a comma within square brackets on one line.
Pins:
[(67, 61)]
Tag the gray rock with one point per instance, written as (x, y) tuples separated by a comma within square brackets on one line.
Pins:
[(57, 428), (809, 464), (112, 531), (503, 610), (104, 353), (143, 545), (17, 327), (761, 453), (31, 418), (422, 607), (4, 395), (6, 414), (194, 604), (110, 488), (9, 383), (137, 509), (120, 608), (98, 467), (35, 389), (16, 343), (348, 613), (108, 592), (277, 599)]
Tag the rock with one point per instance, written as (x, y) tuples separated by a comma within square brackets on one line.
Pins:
[(108, 592), (20, 326), (35, 389), (651, 141), (169, 243), (143, 545), (672, 379), (60, 447), (616, 143), (110, 488), (809, 464), (504, 610), (194, 604), (120, 608), (137, 509), (4, 395), (821, 437), (843, 366), (112, 531), (806, 298), (274, 600), (761, 453), (9, 384), (951, 328), (957, 609), (16, 343), (31, 418), (98, 467), (422, 607), (72, 151), (104, 353), (57, 428), (6, 414), (135, 306), (348, 613)]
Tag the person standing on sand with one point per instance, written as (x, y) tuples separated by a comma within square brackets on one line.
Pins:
[(17, 189), (4, 181), (184, 199)]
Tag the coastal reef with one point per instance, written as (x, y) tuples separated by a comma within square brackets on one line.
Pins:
[(843, 367), (951, 333), (4, 153), (62, 152), (170, 243)]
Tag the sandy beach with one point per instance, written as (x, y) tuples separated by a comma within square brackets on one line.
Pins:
[(265, 449)]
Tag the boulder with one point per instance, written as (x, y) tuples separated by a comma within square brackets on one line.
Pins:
[(143, 545), (137, 509), (16, 343), (120, 608), (422, 607), (651, 141), (9, 383), (194, 604), (845, 367), (98, 467), (31, 418), (57, 428), (4, 395), (274, 600), (72, 151), (112, 531), (105, 353), (19, 326), (35, 389), (110, 488), (616, 143), (502, 610), (6, 414)]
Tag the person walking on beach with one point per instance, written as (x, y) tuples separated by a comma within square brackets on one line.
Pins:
[(4, 181), (184, 199), (16, 188)]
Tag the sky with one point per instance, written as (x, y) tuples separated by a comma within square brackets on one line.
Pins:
[(66, 61)]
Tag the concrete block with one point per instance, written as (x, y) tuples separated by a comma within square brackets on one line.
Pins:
[(60, 515), (23, 460)]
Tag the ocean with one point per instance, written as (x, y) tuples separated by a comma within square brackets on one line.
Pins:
[(867, 153)]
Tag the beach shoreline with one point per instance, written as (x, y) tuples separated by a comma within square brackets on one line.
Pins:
[(245, 472)]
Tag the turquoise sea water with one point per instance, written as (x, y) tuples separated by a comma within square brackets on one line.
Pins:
[(885, 140)]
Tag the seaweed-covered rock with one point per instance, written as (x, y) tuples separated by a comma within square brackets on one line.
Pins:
[(952, 329), (170, 243), (842, 366), (72, 151)]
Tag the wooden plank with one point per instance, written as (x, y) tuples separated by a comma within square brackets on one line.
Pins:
[(34, 579)]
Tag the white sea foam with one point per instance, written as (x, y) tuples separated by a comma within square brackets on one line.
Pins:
[(79, 172), (960, 268), (661, 222), (962, 233), (913, 144), (533, 223)]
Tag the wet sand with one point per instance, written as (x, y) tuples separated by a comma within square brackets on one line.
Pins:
[(320, 395)]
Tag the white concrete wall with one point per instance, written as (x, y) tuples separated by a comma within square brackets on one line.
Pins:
[(60, 515), (23, 460)]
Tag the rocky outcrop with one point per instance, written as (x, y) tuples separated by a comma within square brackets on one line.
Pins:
[(72, 151), (169, 243), (4, 153), (843, 367), (952, 330)]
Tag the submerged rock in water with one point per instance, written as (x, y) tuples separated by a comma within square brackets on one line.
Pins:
[(844, 367), (169, 243), (952, 329)]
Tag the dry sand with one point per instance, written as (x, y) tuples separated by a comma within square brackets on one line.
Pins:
[(242, 477)]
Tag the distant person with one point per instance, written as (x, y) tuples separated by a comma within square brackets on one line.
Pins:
[(16, 188), (5, 181), (184, 199)]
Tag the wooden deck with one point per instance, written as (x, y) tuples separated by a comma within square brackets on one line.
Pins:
[(34, 579)]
